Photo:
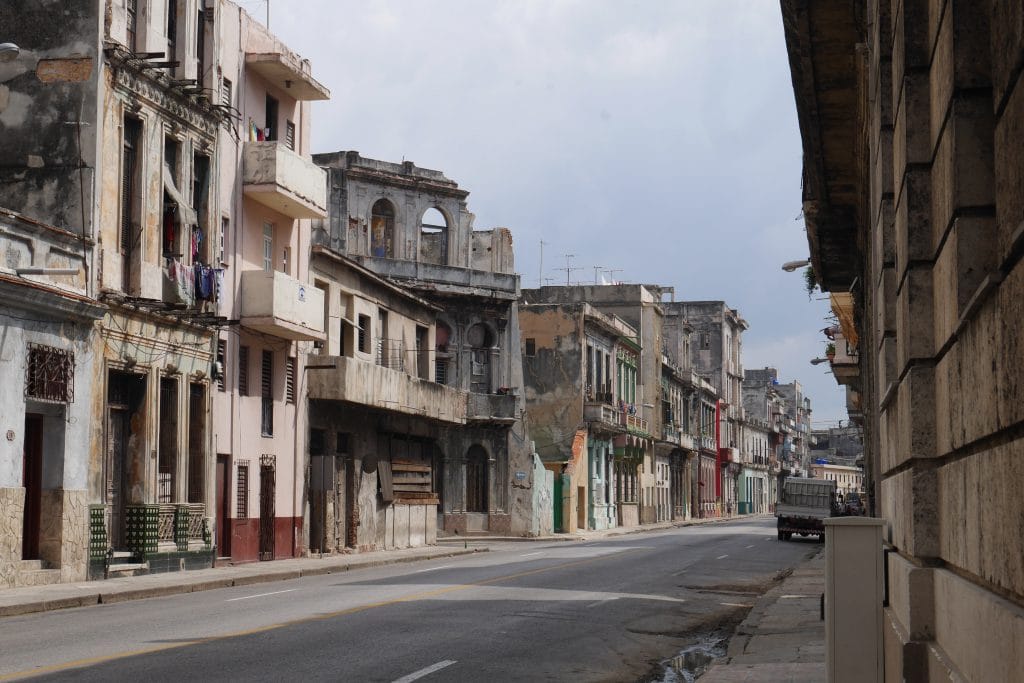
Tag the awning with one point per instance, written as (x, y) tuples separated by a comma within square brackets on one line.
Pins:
[(186, 214), (842, 306)]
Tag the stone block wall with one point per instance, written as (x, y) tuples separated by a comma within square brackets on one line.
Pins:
[(944, 315)]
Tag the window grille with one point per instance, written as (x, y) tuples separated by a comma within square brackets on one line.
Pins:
[(289, 380), (441, 371), (243, 370), (242, 490), (50, 374)]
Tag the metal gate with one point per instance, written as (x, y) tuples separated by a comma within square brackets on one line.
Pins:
[(268, 474)]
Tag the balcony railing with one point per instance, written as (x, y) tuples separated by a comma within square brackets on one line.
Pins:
[(279, 305), (635, 423), (670, 433), (494, 408), (181, 523), (391, 353), (287, 182), (599, 411)]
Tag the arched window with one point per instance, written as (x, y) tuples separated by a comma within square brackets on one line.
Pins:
[(434, 237), (476, 479), (382, 229)]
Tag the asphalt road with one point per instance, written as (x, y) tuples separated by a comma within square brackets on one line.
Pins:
[(608, 610)]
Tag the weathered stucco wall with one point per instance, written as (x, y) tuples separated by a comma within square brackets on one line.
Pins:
[(48, 110)]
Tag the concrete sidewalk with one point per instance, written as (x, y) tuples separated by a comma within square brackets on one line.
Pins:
[(783, 637), (14, 601)]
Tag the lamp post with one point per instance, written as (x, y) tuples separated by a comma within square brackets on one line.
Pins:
[(790, 266)]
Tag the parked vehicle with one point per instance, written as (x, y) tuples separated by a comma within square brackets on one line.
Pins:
[(804, 506)]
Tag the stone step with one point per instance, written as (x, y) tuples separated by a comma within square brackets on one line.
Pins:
[(128, 569), (30, 565), (38, 577)]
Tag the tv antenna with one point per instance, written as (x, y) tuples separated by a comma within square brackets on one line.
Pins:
[(569, 269)]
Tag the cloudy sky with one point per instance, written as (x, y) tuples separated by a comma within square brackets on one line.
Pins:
[(654, 138)]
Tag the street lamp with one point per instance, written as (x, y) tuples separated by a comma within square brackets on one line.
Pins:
[(8, 51), (819, 361), (790, 266)]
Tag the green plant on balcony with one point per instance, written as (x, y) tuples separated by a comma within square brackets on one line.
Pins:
[(810, 283), (830, 350)]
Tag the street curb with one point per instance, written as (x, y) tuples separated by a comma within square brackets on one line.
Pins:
[(114, 594)]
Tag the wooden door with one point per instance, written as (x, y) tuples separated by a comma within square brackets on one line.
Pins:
[(476, 480), (32, 480), (223, 499)]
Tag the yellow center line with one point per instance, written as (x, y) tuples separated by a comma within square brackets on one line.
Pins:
[(422, 595)]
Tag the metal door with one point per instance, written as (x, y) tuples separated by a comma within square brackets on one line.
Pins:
[(267, 514), (556, 503)]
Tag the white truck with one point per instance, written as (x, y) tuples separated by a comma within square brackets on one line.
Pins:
[(803, 506)]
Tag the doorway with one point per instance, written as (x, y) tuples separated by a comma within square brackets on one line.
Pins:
[(581, 507), (476, 479), (268, 475), (32, 480), (223, 500), (124, 392)]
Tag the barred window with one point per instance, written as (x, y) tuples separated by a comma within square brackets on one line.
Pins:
[(50, 374), (242, 490)]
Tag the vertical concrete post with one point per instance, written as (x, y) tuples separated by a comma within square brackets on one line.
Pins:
[(853, 599)]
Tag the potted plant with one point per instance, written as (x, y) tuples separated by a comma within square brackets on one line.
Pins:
[(830, 351)]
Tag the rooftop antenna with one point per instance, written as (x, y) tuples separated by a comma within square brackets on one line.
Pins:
[(568, 267), (597, 270), (540, 271), (611, 274)]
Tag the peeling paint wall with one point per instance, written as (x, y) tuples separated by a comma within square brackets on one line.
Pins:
[(48, 110)]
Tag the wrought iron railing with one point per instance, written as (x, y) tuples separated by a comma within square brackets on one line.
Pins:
[(391, 353)]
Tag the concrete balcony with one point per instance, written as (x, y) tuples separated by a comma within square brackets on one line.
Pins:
[(670, 433), (349, 380), (287, 182), (281, 306), (289, 72), (603, 417), (491, 408), (686, 441)]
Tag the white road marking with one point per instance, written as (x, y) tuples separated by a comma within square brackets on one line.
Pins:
[(795, 597), (750, 546), (733, 604), (721, 557), (539, 552), (415, 675), (433, 569), (679, 572), (261, 595), (601, 601)]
